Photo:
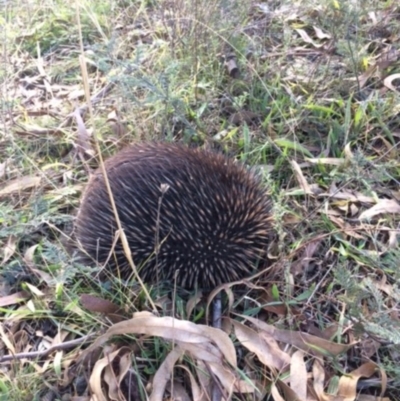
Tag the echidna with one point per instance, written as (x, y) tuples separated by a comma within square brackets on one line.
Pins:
[(188, 214)]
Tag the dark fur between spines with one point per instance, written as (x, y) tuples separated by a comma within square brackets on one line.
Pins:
[(213, 223)]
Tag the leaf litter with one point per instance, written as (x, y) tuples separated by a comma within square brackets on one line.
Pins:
[(308, 352)]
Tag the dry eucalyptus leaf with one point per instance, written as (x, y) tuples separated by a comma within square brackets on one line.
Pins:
[(171, 329), (20, 184), (304, 341), (265, 347), (298, 375), (388, 82), (96, 381), (96, 304), (383, 206), (300, 178), (348, 383), (14, 298), (9, 249), (304, 35), (320, 34), (319, 379)]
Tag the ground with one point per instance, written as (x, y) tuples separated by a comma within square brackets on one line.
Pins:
[(307, 92)]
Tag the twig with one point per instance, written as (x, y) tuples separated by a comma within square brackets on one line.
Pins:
[(37, 354)]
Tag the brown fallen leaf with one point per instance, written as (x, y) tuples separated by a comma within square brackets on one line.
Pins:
[(83, 136), (304, 35), (30, 262), (348, 383), (192, 302), (164, 373), (300, 178), (212, 357), (171, 329), (9, 249), (95, 380), (265, 347), (298, 375), (319, 379), (197, 392), (113, 375), (20, 184), (96, 304), (320, 34), (178, 392), (304, 341), (301, 265), (14, 298), (288, 393), (383, 206), (388, 82)]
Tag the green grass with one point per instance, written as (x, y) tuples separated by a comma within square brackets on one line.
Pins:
[(306, 90)]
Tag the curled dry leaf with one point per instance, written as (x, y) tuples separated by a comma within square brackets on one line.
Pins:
[(229, 380), (197, 392), (348, 154), (233, 69), (206, 352), (164, 373), (320, 34), (264, 346), (228, 290), (95, 380), (171, 329), (304, 35), (193, 301), (300, 178), (348, 383), (388, 82), (383, 206), (204, 343), (304, 341), (114, 378), (30, 262)]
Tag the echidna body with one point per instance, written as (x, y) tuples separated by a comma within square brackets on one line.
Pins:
[(189, 215)]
